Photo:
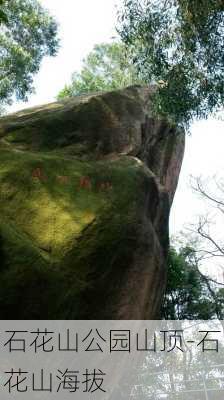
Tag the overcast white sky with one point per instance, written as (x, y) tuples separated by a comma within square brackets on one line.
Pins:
[(84, 23)]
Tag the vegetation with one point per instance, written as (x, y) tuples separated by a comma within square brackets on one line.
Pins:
[(189, 293), (3, 17), (106, 68), (56, 208), (211, 194), (178, 44), (27, 34)]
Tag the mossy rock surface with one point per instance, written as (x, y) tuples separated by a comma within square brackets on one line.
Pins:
[(84, 217)]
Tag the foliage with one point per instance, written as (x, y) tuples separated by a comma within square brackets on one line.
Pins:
[(3, 17), (105, 68), (27, 34), (189, 294), (178, 44)]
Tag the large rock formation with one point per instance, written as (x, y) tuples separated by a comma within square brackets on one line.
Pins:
[(86, 187)]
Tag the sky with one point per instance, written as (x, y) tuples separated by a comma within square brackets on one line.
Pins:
[(84, 23)]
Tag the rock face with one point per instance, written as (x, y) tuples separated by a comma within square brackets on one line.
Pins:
[(86, 187)]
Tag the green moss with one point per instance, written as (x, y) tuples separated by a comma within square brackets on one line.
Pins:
[(27, 279), (100, 259), (54, 233), (20, 136)]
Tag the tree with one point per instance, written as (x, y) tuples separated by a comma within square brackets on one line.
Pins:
[(206, 231), (3, 17), (178, 44), (212, 193), (205, 248), (199, 250), (105, 68), (189, 293), (27, 34)]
